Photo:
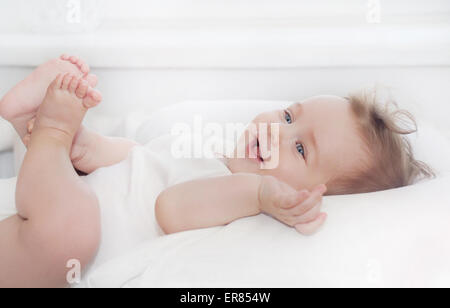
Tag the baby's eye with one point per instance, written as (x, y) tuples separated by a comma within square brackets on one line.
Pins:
[(300, 149), (287, 117)]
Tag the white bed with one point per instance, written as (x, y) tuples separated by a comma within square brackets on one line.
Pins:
[(396, 238)]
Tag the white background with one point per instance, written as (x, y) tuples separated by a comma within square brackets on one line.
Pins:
[(233, 33)]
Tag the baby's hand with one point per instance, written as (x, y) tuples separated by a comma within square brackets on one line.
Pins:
[(299, 209)]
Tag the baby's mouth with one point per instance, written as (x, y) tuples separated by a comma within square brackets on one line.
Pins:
[(253, 151), (258, 151)]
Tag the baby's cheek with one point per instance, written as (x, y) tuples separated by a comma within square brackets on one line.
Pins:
[(294, 176)]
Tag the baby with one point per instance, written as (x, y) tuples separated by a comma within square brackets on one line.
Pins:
[(326, 145)]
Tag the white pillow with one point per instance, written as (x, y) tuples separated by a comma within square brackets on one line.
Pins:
[(395, 238)]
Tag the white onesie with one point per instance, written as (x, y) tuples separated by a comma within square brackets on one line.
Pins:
[(127, 193)]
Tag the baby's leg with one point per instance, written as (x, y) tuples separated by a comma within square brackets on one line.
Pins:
[(21, 103), (59, 217)]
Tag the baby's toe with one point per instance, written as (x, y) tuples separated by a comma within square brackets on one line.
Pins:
[(92, 80), (57, 82), (74, 85), (66, 81), (82, 89), (83, 66), (74, 60), (92, 99)]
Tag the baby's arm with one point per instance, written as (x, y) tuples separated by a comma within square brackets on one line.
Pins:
[(208, 202), (218, 201)]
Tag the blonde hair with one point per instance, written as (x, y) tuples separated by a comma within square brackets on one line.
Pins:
[(390, 162)]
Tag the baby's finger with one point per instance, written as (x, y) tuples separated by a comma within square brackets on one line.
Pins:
[(311, 227), (26, 140), (322, 188), (306, 206), (309, 216), (314, 198), (292, 200), (30, 125)]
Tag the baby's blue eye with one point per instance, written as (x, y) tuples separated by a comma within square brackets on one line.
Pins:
[(287, 117), (300, 149)]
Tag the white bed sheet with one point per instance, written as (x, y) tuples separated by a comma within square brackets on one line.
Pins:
[(363, 244), (6, 164)]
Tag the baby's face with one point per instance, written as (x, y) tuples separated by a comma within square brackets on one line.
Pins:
[(318, 140)]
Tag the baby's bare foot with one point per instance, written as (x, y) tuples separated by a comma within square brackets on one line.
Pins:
[(21, 103), (67, 100)]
